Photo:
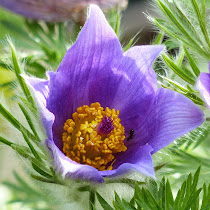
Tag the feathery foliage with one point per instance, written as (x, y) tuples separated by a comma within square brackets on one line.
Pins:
[(159, 196)]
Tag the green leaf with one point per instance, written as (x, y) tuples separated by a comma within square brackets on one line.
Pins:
[(121, 205), (180, 196), (84, 188), (192, 199), (152, 201), (203, 137), (127, 47), (180, 57), (103, 203), (154, 188), (7, 84), (131, 42), (14, 187), (169, 196), (162, 193), (164, 26), (188, 93), (184, 17), (175, 20), (91, 199), (18, 33), (20, 79), (141, 199), (206, 197), (41, 179), (152, 197), (192, 62), (201, 21), (180, 24), (177, 70), (29, 120), (24, 184), (31, 147), (117, 22), (41, 171), (159, 38), (195, 179), (188, 186), (22, 150), (15, 122), (5, 141)]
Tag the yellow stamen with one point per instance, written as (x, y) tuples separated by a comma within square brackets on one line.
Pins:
[(84, 144)]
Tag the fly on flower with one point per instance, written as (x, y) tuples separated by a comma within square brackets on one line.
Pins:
[(97, 96)]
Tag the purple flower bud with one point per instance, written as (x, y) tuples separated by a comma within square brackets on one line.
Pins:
[(58, 11)]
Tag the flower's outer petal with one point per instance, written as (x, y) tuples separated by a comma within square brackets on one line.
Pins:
[(203, 85), (172, 116), (41, 88), (41, 91), (144, 56), (96, 45), (128, 85), (139, 160), (70, 169)]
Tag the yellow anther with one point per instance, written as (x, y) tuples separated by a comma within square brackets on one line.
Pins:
[(70, 129), (85, 144), (72, 124), (88, 161)]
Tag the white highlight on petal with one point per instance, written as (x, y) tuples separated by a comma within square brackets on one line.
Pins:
[(204, 92)]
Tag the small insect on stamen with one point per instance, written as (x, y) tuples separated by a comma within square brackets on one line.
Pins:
[(131, 135)]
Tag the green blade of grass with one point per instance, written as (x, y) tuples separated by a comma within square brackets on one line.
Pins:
[(31, 146), (103, 203), (192, 62), (18, 72), (201, 21), (30, 123), (15, 122), (177, 70)]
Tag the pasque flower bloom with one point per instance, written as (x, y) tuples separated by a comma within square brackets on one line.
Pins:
[(102, 110), (203, 85), (52, 10)]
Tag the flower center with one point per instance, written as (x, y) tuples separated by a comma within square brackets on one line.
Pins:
[(93, 136)]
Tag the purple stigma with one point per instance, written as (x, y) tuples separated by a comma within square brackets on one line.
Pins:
[(105, 126)]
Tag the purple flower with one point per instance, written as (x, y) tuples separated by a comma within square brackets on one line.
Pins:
[(52, 10), (203, 85), (102, 110)]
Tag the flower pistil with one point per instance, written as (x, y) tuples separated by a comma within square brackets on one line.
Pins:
[(93, 136)]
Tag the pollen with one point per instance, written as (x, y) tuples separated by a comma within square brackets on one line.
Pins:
[(93, 136)]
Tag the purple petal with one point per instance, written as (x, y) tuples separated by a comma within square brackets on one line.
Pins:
[(41, 88), (139, 160), (41, 91), (172, 116), (144, 56), (70, 169), (128, 85), (203, 85), (96, 46)]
